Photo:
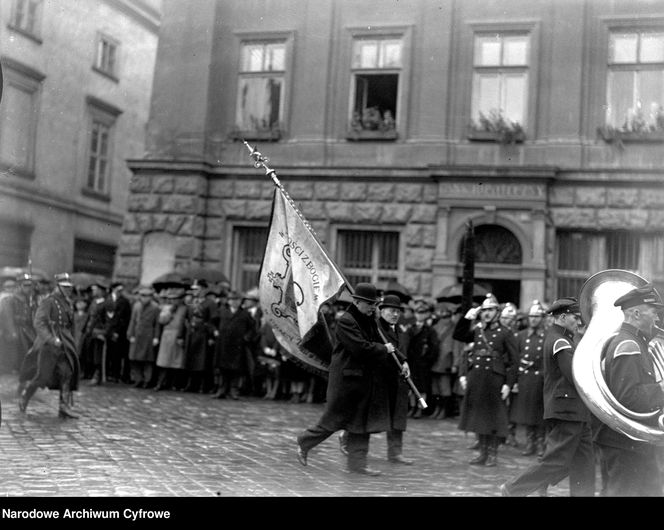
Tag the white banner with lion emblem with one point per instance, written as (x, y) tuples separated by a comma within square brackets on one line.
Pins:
[(296, 278)]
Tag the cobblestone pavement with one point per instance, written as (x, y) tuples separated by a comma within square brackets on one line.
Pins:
[(139, 443)]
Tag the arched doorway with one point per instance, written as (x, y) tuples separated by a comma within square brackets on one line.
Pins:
[(498, 259)]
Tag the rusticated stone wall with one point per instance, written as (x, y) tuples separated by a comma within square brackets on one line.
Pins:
[(198, 211), (605, 207)]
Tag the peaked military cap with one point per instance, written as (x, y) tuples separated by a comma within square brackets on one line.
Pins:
[(646, 295), (565, 305), (63, 279)]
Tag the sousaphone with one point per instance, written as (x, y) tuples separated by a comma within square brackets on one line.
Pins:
[(603, 320)]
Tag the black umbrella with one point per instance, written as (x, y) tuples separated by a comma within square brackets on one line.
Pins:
[(394, 287), (13, 272), (452, 293), (83, 280), (169, 280), (204, 273)]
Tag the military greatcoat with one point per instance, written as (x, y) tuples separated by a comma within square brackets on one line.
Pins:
[(491, 363), (53, 319), (528, 403)]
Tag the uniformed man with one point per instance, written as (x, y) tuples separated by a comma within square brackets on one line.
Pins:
[(569, 444), (200, 336), (631, 466), (52, 361), (487, 377), (527, 407), (22, 307)]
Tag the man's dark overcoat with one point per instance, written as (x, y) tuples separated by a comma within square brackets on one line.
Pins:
[(237, 334), (397, 388), (200, 329), (357, 391)]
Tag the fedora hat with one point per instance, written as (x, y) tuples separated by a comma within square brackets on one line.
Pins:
[(366, 292)]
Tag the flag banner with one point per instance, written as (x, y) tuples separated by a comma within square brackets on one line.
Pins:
[(296, 278)]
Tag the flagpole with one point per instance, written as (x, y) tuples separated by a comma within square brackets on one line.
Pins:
[(261, 161)]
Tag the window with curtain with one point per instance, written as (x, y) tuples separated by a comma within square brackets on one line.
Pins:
[(635, 84), (500, 80), (260, 104), (368, 256), (376, 67)]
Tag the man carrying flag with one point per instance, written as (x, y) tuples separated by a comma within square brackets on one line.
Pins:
[(357, 393), (297, 277)]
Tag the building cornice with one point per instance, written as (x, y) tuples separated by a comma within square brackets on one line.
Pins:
[(140, 12), (36, 195)]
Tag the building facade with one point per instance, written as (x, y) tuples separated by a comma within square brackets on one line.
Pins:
[(76, 96), (393, 124)]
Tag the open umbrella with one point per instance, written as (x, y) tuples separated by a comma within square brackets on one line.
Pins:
[(203, 273), (394, 287), (12, 272), (83, 280), (169, 280), (452, 293)]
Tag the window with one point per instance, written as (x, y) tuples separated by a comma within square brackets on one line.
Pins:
[(260, 104), (500, 81), (376, 67), (635, 85), (26, 16), (18, 116), (102, 118), (14, 244), (368, 256), (248, 251), (106, 58), (581, 254), (93, 257), (573, 262)]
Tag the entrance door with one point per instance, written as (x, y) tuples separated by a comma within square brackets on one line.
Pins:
[(503, 290)]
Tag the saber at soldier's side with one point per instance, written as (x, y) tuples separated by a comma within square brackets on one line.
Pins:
[(261, 161)]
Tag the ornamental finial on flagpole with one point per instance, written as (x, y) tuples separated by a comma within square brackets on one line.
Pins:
[(261, 161)]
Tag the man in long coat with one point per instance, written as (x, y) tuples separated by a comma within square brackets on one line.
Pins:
[(118, 312), (487, 378), (200, 332), (143, 334), (22, 307), (527, 407), (52, 361), (357, 395), (237, 333)]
